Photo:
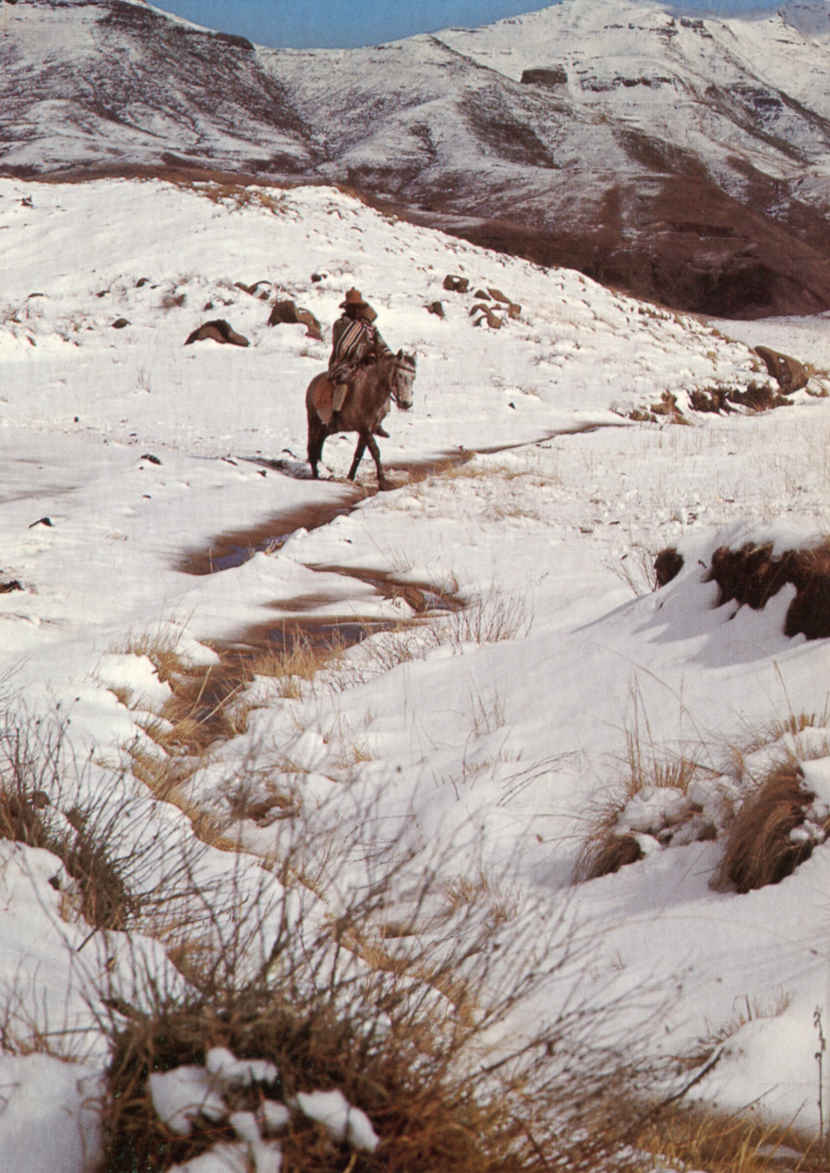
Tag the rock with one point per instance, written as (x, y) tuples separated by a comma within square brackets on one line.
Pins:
[(47, 521), (289, 313), (149, 456), (253, 289), (456, 284), (218, 331), (555, 75), (791, 374), (120, 323), (437, 308), (485, 314)]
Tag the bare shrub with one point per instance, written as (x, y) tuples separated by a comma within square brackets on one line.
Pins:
[(638, 570), (403, 1024), (489, 619)]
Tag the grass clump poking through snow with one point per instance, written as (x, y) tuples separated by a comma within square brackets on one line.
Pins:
[(684, 1138), (659, 804), (405, 1030), (122, 872), (775, 830), (769, 804)]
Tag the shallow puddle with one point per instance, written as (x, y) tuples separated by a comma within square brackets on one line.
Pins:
[(235, 547)]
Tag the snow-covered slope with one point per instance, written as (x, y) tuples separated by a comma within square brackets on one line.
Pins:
[(498, 729), (684, 158)]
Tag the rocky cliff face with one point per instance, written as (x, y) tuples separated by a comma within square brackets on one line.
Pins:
[(683, 158)]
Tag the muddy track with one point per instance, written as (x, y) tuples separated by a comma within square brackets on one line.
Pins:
[(215, 687)]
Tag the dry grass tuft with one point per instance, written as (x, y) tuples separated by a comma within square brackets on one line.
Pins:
[(610, 844), (686, 1138), (764, 845)]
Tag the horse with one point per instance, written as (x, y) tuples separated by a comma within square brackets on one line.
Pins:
[(372, 388)]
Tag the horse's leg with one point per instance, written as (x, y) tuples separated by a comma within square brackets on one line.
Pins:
[(373, 448), (363, 440), (316, 439)]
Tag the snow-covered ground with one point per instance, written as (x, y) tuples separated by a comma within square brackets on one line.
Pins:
[(124, 451)]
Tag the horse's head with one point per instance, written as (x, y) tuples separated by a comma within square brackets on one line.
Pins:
[(402, 379)]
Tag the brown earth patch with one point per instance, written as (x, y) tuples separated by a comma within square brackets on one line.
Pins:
[(667, 565)]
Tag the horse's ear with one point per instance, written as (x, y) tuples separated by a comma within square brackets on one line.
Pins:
[(399, 354)]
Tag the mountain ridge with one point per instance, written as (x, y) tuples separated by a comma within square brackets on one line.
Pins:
[(683, 157)]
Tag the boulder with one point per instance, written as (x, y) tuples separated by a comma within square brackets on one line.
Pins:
[(791, 374), (513, 309), (289, 313), (456, 284), (437, 308), (482, 313), (254, 289), (218, 331)]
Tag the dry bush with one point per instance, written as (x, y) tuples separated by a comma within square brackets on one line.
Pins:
[(402, 1025), (761, 848), (638, 571)]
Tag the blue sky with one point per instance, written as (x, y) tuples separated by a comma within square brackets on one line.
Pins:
[(345, 23)]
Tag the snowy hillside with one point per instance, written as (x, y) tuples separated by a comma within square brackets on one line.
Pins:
[(157, 510), (685, 159)]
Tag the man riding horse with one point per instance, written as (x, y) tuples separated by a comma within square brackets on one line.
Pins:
[(355, 342)]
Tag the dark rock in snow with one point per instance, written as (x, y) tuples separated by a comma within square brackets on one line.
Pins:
[(217, 331)]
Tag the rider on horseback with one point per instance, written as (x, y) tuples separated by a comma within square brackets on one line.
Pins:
[(356, 342)]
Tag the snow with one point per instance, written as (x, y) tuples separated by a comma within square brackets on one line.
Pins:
[(340, 1118), (489, 733)]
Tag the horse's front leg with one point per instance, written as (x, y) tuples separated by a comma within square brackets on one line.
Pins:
[(364, 438), (373, 448)]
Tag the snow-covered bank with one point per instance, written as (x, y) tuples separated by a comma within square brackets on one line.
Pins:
[(504, 726)]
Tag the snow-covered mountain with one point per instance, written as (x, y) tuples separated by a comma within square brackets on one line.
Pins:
[(683, 157)]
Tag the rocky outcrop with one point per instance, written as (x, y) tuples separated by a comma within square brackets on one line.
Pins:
[(791, 374), (555, 75)]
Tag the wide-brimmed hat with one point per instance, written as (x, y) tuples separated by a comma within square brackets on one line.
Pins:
[(354, 298)]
